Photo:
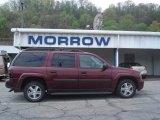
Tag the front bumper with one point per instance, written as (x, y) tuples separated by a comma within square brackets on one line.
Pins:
[(140, 85)]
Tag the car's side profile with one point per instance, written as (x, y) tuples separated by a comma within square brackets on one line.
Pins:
[(40, 71)]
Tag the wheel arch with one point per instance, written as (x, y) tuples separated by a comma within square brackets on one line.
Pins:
[(31, 79)]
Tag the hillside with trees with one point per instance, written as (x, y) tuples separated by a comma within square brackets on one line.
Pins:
[(76, 14)]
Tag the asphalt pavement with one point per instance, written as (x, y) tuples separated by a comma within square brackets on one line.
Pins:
[(144, 106)]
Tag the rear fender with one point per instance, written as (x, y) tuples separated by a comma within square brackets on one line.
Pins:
[(26, 76)]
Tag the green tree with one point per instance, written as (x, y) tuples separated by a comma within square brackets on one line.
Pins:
[(155, 26), (141, 27), (75, 24), (127, 22), (76, 15), (85, 19), (3, 27), (111, 25)]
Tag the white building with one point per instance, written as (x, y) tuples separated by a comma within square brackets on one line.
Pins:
[(114, 46)]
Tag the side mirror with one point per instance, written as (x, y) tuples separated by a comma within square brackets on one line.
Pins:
[(104, 67)]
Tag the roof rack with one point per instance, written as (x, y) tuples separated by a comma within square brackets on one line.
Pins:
[(76, 50), (52, 49), (44, 49)]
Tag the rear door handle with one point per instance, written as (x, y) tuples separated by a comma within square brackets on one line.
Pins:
[(53, 72)]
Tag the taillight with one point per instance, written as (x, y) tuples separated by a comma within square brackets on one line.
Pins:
[(9, 73)]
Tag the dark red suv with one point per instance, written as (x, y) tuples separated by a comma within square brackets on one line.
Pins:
[(37, 71)]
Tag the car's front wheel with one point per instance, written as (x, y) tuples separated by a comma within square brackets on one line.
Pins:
[(34, 91), (126, 88)]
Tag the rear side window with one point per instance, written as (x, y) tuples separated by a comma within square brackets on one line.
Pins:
[(29, 59), (65, 60)]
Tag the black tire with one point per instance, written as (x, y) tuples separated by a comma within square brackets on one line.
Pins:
[(34, 91), (144, 76), (126, 88), (1, 78)]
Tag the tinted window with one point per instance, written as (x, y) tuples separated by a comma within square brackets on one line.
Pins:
[(66, 60), (128, 65), (29, 59), (89, 61)]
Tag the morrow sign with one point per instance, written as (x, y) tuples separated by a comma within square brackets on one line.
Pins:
[(68, 41), (31, 37)]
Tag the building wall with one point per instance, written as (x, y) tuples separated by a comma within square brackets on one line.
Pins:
[(156, 61)]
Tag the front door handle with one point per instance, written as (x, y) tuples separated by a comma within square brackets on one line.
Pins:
[(83, 73)]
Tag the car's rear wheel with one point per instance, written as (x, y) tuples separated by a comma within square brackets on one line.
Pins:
[(34, 91), (126, 88)]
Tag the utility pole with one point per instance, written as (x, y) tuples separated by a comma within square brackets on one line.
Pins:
[(22, 19)]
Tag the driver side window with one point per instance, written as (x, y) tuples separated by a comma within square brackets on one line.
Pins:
[(89, 61)]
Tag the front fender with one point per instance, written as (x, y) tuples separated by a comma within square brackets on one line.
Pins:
[(120, 76)]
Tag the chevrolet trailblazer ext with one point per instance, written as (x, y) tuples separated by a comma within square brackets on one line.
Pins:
[(37, 71)]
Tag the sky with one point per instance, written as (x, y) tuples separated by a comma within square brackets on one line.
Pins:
[(105, 3)]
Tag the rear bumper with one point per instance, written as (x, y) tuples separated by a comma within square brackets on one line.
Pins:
[(11, 84), (8, 83)]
